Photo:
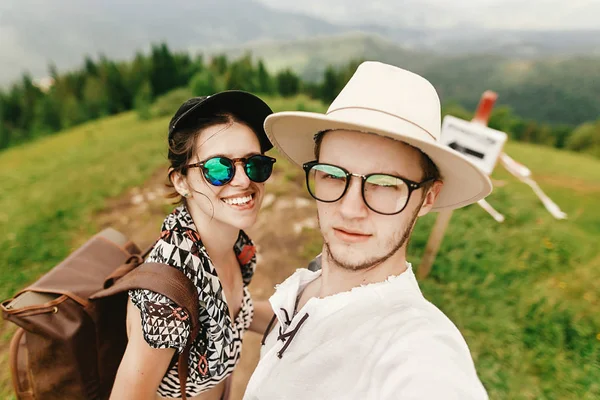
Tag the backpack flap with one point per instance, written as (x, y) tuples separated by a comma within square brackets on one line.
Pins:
[(84, 271)]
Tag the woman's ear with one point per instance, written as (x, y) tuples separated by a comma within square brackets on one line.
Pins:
[(179, 182), (432, 194)]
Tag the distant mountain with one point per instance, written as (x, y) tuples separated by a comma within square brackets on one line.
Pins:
[(309, 57), (443, 14), (556, 90), (34, 34), (510, 43)]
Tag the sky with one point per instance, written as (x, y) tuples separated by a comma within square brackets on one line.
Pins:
[(492, 14)]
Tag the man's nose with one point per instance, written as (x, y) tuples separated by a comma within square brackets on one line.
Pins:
[(352, 205)]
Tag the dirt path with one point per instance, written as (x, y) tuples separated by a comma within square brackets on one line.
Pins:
[(280, 235)]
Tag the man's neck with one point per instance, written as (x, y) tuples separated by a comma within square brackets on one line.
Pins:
[(335, 279)]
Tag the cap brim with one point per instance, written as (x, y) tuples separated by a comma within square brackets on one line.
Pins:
[(464, 183), (243, 105)]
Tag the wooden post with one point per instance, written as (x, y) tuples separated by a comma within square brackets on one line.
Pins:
[(434, 242), (482, 115)]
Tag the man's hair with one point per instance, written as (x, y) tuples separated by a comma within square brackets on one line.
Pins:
[(430, 170)]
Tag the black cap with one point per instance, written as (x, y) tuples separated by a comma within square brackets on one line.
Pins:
[(243, 105)]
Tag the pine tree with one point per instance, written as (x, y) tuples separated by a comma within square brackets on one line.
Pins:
[(265, 82), (288, 83)]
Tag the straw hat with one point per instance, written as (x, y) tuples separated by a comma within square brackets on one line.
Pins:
[(391, 102)]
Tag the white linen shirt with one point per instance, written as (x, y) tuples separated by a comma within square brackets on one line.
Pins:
[(378, 341)]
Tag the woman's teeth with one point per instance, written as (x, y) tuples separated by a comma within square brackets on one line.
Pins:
[(238, 200)]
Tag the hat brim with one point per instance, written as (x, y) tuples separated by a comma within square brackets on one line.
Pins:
[(292, 133), (245, 106)]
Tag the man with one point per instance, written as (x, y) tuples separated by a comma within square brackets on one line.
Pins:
[(360, 328)]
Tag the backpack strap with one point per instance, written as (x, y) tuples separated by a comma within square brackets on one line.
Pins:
[(172, 283)]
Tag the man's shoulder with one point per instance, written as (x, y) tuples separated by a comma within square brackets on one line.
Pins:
[(415, 318), (427, 346), (419, 310)]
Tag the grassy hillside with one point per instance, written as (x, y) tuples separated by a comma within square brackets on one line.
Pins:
[(524, 293), (546, 90)]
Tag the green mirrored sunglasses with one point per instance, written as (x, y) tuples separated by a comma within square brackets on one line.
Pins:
[(219, 171)]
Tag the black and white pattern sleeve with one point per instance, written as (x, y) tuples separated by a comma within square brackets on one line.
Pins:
[(164, 323)]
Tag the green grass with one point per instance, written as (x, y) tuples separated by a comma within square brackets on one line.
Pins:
[(52, 187), (525, 293)]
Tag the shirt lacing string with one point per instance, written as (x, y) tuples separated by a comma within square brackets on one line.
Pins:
[(284, 336), (289, 335), (262, 342)]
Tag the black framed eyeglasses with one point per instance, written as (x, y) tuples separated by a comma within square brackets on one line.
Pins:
[(382, 193), (219, 171)]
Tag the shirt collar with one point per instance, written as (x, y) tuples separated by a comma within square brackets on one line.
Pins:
[(390, 291)]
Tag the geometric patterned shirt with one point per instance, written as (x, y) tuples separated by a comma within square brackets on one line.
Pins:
[(217, 349)]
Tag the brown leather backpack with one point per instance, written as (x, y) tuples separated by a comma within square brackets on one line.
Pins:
[(72, 332)]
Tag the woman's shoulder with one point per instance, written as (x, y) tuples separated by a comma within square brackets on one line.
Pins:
[(178, 240), (164, 323), (179, 220)]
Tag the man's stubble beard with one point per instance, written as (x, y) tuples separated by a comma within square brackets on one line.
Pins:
[(394, 243)]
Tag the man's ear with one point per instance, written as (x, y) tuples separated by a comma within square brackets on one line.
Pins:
[(179, 182), (432, 194)]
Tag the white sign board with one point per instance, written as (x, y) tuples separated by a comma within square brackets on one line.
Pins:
[(477, 142)]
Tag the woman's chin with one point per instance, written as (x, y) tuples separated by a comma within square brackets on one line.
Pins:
[(242, 221), (241, 216)]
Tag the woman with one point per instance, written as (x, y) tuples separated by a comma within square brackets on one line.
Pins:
[(218, 169)]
